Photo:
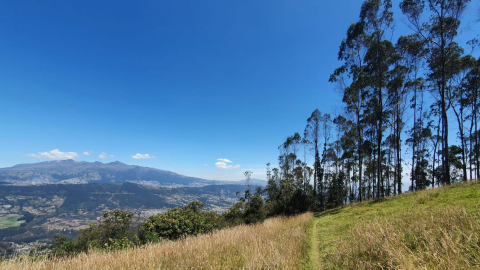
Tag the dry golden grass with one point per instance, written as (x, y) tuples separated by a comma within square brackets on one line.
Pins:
[(446, 239), (278, 243)]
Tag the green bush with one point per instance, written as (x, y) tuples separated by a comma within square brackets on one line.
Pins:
[(255, 210), (248, 210), (179, 223), (234, 215), (115, 231)]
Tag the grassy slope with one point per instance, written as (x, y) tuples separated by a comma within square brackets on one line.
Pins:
[(435, 229), (277, 243)]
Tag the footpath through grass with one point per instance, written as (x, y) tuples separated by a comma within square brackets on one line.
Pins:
[(314, 253), (431, 229)]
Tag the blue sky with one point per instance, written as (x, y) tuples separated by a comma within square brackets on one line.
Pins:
[(190, 83)]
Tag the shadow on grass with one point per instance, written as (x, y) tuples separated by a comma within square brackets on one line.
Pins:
[(378, 200), (337, 210), (328, 212)]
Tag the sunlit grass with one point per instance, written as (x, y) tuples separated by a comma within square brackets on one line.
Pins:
[(277, 243), (432, 229)]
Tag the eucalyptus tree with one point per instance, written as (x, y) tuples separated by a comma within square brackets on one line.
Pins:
[(456, 95), (471, 84), (397, 97), (312, 134), (345, 147), (295, 141), (325, 126), (248, 182), (377, 18), (438, 33), (435, 139), (351, 79), (367, 59), (306, 170), (471, 88), (413, 56)]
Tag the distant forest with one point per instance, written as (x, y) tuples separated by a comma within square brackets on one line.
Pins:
[(400, 100)]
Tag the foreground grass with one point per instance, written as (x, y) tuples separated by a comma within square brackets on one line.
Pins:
[(432, 229), (277, 243)]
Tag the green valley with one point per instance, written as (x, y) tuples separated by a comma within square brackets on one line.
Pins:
[(10, 221)]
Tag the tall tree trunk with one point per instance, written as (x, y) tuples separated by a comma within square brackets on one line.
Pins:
[(446, 161), (379, 149), (360, 156)]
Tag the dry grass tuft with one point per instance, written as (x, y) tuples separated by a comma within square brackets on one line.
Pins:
[(417, 238), (278, 243)]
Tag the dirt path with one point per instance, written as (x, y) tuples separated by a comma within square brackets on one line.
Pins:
[(314, 254)]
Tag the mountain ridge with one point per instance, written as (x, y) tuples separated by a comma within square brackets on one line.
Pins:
[(82, 172)]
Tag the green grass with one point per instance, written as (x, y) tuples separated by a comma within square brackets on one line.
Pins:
[(10, 221), (383, 233)]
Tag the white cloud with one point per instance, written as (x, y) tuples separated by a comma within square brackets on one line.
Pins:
[(205, 164), (105, 155), (55, 154), (222, 164), (140, 156), (87, 153)]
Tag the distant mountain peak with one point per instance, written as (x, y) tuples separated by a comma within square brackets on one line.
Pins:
[(66, 161), (117, 162), (77, 172)]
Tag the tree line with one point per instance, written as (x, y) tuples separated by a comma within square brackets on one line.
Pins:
[(400, 100)]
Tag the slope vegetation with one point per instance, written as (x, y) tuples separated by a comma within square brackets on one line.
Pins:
[(432, 229), (277, 243)]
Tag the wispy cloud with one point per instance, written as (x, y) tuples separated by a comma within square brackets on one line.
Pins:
[(140, 156), (205, 164), (105, 155), (55, 154), (222, 164), (87, 153)]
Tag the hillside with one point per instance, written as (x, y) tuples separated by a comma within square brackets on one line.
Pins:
[(431, 229), (277, 243)]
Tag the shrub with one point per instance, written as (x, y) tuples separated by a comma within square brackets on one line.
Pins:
[(249, 212), (115, 231), (255, 210), (179, 223)]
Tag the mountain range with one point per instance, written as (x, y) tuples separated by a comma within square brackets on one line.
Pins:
[(82, 172), (42, 199)]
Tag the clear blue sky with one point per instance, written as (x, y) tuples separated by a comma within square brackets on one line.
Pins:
[(187, 82)]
